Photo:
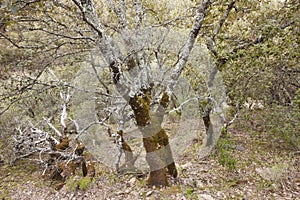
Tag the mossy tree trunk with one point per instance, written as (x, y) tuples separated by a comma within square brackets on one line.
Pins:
[(154, 137), (156, 142)]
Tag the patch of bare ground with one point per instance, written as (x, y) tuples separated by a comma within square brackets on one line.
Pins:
[(247, 165)]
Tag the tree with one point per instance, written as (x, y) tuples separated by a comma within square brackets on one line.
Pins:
[(134, 61), (251, 46), (130, 37), (138, 94)]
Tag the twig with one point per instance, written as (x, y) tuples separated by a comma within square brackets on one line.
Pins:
[(234, 117), (96, 73), (76, 125), (53, 127)]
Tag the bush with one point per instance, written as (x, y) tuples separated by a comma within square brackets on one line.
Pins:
[(280, 122), (74, 183), (225, 148)]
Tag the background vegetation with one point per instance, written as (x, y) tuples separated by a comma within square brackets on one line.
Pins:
[(253, 44)]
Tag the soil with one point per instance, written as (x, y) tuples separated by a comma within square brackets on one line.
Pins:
[(245, 165)]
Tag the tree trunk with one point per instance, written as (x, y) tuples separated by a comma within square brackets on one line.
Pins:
[(156, 142), (158, 175), (208, 130), (167, 156), (129, 159)]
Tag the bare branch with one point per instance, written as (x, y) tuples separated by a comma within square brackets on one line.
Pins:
[(66, 98), (223, 19), (76, 125), (158, 48), (248, 44), (120, 12), (139, 13), (87, 90), (211, 41), (25, 155), (111, 52), (62, 35), (92, 124), (234, 117), (98, 77), (53, 127), (184, 54), (17, 45), (119, 141), (90, 16)]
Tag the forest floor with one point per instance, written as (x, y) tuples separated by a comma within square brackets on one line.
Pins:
[(245, 165)]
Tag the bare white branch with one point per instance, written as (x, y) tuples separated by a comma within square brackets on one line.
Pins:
[(58, 133), (186, 50), (139, 13), (66, 98), (92, 124), (96, 73), (120, 12), (75, 124)]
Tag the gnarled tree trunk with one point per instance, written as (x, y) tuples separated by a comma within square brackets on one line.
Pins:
[(138, 95), (156, 142)]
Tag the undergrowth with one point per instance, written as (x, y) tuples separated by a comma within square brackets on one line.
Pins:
[(225, 148), (279, 122)]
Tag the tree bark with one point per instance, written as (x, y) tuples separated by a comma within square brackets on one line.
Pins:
[(156, 142), (129, 159), (155, 139)]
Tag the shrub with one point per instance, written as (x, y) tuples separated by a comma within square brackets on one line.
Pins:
[(225, 148)]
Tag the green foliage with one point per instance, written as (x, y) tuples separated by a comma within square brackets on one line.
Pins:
[(82, 183), (57, 41), (14, 176), (285, 125), (142, 182), (1, 146), (281, 122), (190, 193), (296, 100), (267, 69), (71, 184), (4, 194), (225, 149), (265, 184), (113, 178), (8, 122)]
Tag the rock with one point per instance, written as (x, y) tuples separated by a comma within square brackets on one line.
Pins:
[(149, 193), (127, 191), (132, 181), (187, 165), (205, 197), (199, 184)]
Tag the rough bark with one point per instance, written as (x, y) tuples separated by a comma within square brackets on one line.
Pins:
[(167, 157), (156, 142), (129, 159), (188, 46), (208, 130)]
